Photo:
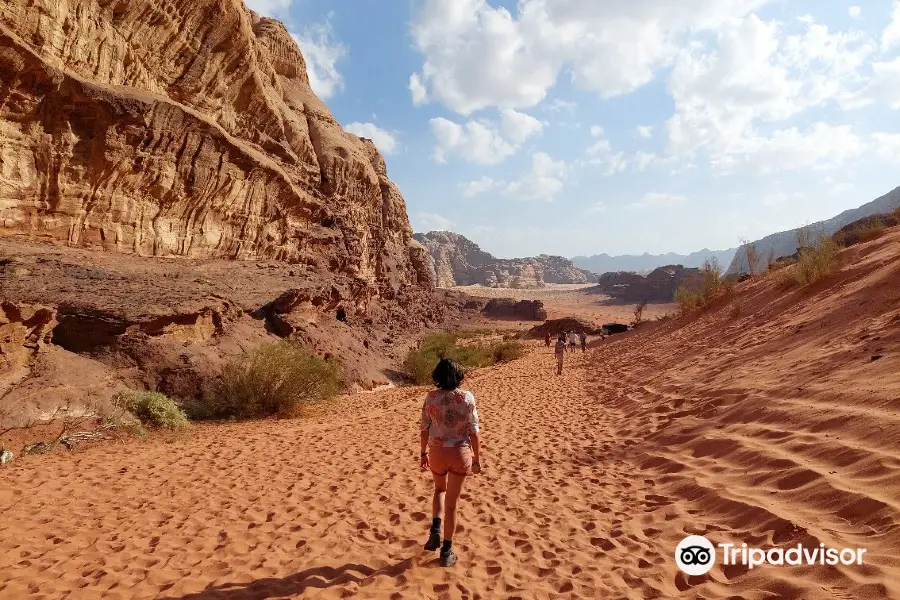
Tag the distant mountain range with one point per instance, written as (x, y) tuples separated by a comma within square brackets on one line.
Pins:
[(643, 263), (785, 242)]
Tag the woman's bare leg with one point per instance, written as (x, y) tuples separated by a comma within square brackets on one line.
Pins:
[(454, 488), (437, 500)]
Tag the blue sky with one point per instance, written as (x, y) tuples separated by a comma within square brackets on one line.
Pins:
[(619, 126)]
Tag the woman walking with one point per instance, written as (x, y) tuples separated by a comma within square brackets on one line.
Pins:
[(449, 448)]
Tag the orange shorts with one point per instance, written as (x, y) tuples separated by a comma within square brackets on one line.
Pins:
[(456, 460)]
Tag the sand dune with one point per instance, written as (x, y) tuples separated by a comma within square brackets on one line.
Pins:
[(768, 425)]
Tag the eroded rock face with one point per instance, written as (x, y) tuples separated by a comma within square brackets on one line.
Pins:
[(186, 129), (24, 331), (455, 260)]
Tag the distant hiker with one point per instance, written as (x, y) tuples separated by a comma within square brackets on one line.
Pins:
[(573, 340), (450, 449), (583, 337), (547, 339), (560, 352)]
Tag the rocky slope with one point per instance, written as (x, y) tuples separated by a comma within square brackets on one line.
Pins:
[(188, 129), (455, 260), (784, 243)]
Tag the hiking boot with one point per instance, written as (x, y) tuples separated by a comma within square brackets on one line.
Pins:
[(434, 541), (448, 558)]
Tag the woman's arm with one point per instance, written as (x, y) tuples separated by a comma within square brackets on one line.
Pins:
[(424, 432), (476, 447)]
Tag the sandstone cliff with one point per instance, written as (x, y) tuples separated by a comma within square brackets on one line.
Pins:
[(189, 129), (455, 260)]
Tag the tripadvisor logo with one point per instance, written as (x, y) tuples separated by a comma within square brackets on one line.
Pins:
[(696, 555)]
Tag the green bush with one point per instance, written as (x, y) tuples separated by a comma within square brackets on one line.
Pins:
[(711, 286), (420, 362), (275, 379), (687, 299), (817, 261), (507, 351), (154, 410)]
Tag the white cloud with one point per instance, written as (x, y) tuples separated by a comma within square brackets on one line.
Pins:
[(884, 86), (542, 182), (477, 141), (477, 56), (270, 8), (854, 11), (322, 53), (384, 140), (642, 160), (819, 147), (659, 200), (887, 147), (560, 105), (479, 186), (433, 222), (417, 90), (518, 126), (891, 35), (645, 131), (725, 96), (601, 153)]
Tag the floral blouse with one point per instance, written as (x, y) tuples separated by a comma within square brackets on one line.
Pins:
[(449, 417)]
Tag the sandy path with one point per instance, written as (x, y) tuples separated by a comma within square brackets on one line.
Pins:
[(320, 509), (770, 425)]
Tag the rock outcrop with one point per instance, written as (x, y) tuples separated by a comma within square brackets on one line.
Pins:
[(658, 286), (556, 326), (24, 332), (78, 325), (455, 260), (186, 129), (521, 310)]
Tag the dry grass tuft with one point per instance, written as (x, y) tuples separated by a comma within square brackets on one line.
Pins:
[(280, 379), (420, 362), (712, 285), (153, 410)]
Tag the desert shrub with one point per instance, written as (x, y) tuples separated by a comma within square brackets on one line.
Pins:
[(751, 255), (275, 379), (783, 276), (863, 232), (687, 299), (507, 351), (639, 313), (817, 261), (420, 362), (712, 282), (153, 410), (737, 309), (711, 286)]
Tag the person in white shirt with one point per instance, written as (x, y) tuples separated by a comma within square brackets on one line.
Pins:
[(573, 341)]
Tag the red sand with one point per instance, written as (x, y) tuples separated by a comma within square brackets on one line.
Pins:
[(764, 420)]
